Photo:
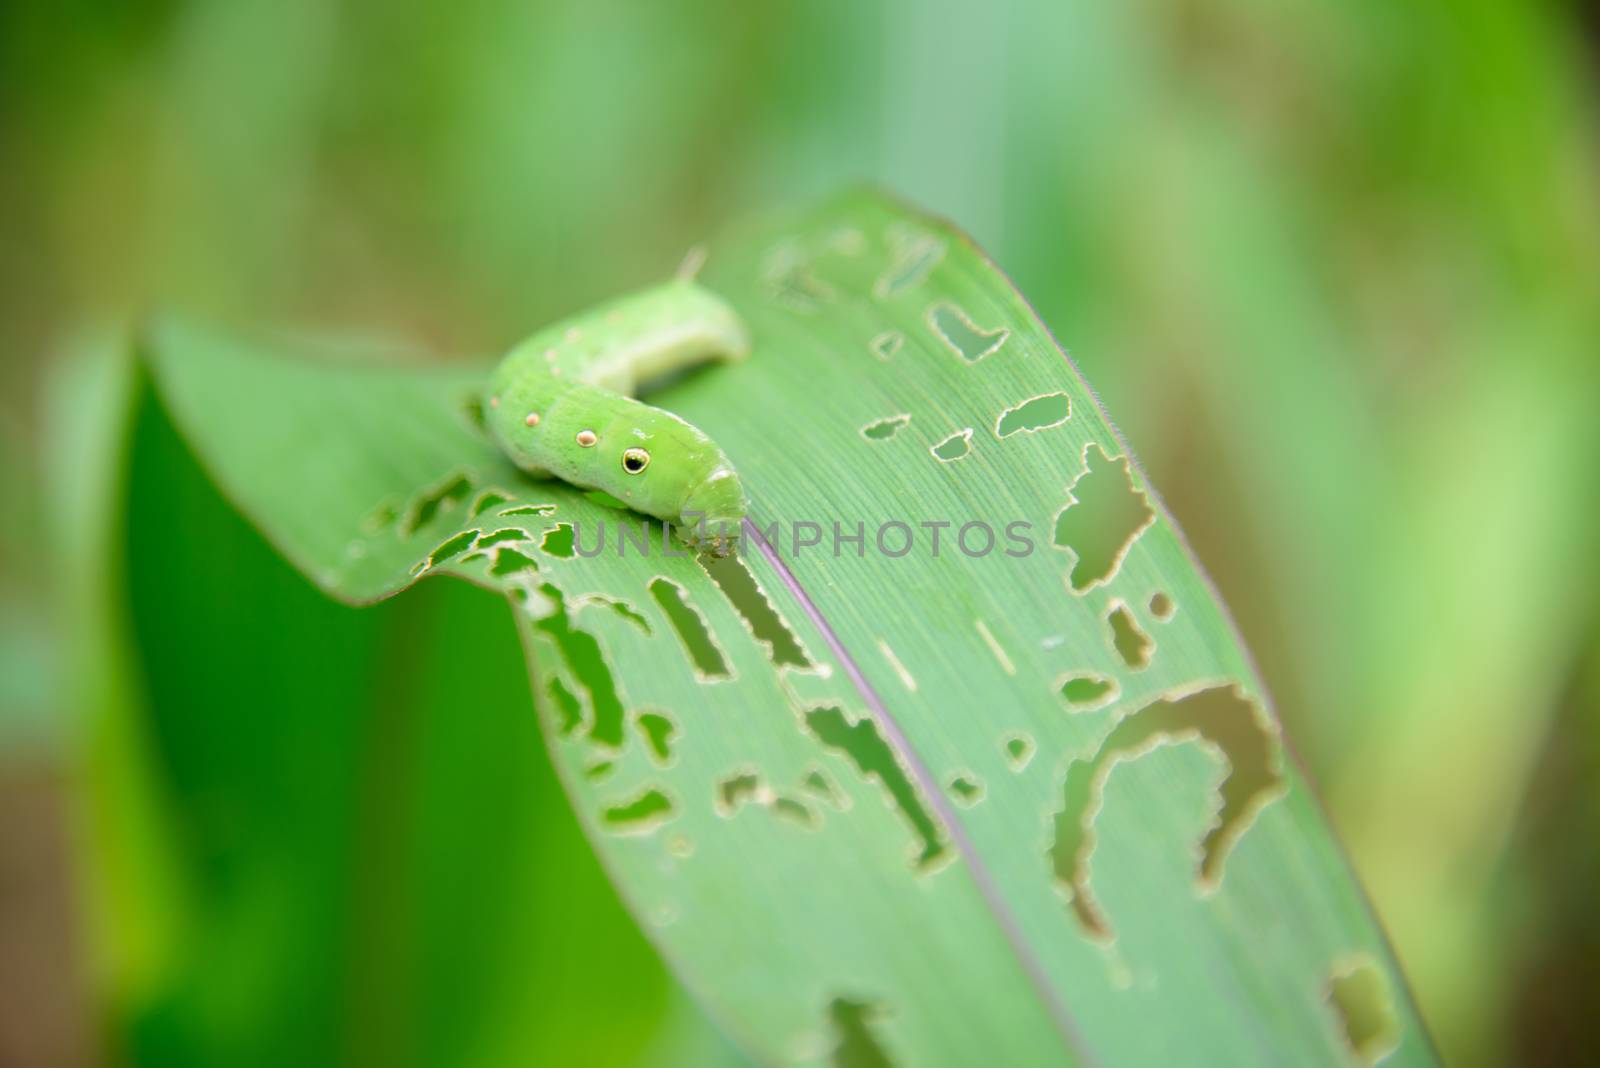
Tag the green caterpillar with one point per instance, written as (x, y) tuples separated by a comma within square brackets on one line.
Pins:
[(560, 404)]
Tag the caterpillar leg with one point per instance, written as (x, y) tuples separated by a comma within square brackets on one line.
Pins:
[(712, 539)]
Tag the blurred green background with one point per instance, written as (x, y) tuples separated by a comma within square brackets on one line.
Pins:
[(1334, 268)]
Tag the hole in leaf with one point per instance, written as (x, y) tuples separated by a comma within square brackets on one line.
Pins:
[(642, 815), (818, 785), (913, 256), (621, 608), (502, 536), (953, 447), (857, 1046), (1360, 997), (588, 666), (658, 733), (1104, 514), (558, 541), (488, 499), (734, 791), (1221, 716), (966, 789), (1161, 607), (1086, 692), (691, 627), (964, 337), (1019, 750), (1039, 413), (872, 757), (425, 508), (794, 810), (599, 770), (529, 509), (887, 344), (1128, 639), (508, 561), (884, 429), (739, 586), (569, 712), (453, 547)]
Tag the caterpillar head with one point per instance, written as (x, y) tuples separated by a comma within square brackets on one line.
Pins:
[(647, 458)]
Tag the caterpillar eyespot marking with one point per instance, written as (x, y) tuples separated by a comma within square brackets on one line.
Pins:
[(569, 412)]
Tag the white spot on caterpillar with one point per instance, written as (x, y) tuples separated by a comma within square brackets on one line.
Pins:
[(572, 334), (587, 438), (494, 402), (532, 419)]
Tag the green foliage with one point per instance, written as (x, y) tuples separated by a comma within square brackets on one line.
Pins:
[(1333, 266), (1109, 883), (319, 835)]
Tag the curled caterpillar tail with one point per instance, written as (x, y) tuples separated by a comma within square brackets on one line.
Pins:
[(560, 406), (634, 340)]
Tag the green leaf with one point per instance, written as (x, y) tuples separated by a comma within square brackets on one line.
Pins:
[(296, 850), (915, 808)]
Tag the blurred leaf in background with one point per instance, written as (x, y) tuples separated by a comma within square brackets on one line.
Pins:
[(1334, 266)]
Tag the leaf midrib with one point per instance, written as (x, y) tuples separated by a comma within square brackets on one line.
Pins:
[(982, 876)]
